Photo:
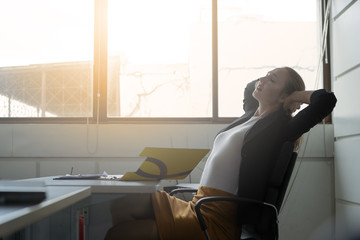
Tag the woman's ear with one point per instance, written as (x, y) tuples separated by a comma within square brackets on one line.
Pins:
[(283, 97)]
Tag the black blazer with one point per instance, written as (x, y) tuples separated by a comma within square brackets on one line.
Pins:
[(263, 141)]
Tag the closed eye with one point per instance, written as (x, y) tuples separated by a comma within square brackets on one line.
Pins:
[(268, 75)]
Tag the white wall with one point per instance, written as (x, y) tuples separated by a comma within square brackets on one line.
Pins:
[(345, 39), (35, 150)]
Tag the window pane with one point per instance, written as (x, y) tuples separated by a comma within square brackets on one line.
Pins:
[(46, 57), (259, 35), (159, 58)]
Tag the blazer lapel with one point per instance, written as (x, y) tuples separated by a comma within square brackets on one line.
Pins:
[(261, 125)]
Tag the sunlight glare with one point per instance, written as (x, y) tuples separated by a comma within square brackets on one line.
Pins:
[(145, 33)]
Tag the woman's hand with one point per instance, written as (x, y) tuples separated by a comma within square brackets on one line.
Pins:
[(296, 99), (291, 106)]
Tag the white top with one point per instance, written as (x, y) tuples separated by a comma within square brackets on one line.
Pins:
[(222, 167)]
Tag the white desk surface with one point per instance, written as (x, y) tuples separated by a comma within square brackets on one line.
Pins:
[(104, 186), (16, 217)]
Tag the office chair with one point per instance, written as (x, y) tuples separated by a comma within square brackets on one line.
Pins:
[(259, 219)]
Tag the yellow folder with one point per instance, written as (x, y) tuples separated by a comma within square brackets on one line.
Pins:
[(166, 163)]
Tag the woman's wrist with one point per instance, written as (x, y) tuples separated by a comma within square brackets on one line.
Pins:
[(301, 96), (296, 99)]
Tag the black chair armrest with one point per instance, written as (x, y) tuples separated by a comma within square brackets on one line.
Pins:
[(232, 199), (182, 190)]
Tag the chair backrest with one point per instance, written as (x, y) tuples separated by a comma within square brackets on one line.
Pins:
[(281, 174), (260, 220)]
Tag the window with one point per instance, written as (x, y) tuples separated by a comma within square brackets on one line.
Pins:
[(46, 58), (256, 36), (115, 60), (159, 58)]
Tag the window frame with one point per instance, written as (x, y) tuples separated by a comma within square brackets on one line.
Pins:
[(99, 113)]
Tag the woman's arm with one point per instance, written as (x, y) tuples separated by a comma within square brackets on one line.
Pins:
[(296, 99), (321, 103)]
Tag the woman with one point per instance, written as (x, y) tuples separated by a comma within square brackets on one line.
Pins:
[(251, 142)]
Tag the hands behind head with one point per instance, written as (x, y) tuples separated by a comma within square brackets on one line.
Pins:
[(296, 99), (291, 104)]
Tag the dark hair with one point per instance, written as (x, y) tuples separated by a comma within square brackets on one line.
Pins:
[(294, 83)]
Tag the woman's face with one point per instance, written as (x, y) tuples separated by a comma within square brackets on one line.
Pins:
[(269, 89)]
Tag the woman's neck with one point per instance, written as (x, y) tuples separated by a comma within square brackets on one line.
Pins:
[(263, 111)]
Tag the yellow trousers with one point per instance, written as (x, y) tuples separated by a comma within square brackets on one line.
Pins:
[(176, 219)]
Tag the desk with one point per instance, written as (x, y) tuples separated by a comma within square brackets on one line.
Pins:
[(103, 186), (102, 191), (16, 217)]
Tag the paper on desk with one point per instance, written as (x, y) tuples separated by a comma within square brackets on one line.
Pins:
[(103, 176), (80, 176), (166, 163)]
